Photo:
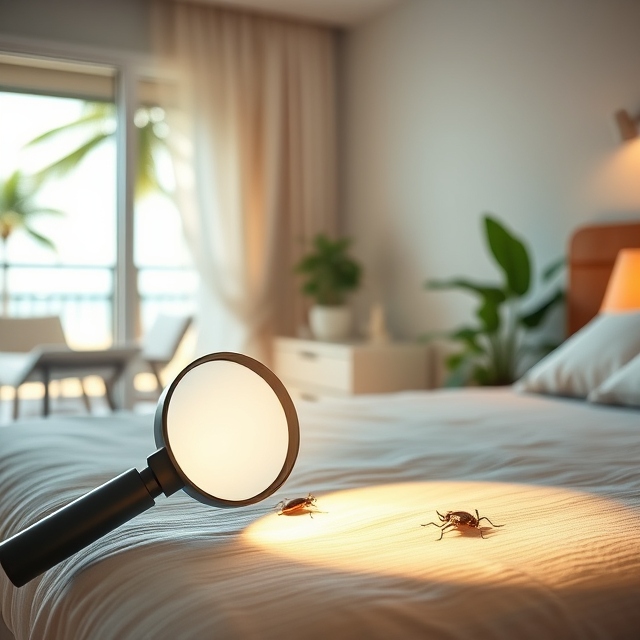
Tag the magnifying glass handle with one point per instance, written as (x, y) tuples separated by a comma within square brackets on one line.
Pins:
[(61, 534)]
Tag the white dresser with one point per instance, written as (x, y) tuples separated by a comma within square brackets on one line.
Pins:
[(313, 370)]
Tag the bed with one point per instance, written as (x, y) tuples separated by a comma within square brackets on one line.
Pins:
[(558, 473)]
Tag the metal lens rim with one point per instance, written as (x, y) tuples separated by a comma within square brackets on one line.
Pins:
[(162, 440)]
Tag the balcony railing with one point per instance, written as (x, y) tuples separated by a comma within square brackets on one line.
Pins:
[(83, 296)]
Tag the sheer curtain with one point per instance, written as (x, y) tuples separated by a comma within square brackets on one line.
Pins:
[(255, 164)]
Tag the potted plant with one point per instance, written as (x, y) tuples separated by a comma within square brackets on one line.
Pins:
[(329, 274), (495, 350)]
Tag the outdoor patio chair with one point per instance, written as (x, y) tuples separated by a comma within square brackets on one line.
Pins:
[(161, 342), (35, 349), (19, 336)]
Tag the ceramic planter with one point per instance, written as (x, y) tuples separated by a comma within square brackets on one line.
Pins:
[(330, 323)]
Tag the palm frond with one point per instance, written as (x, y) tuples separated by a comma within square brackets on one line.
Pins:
[(38, 237), (18, 207), (97, 115), (69, 162)]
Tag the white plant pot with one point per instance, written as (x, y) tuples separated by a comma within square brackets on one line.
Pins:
[(330, 323)]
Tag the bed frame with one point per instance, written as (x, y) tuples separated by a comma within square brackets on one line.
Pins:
[(592, 253)]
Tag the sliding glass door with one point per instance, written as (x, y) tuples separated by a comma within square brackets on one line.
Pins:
[(99, 241), (58, 203), (166, 278)]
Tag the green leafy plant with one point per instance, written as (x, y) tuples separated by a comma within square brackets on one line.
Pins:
[(97, 125), (18, 210), (494, 350), (329, 273)]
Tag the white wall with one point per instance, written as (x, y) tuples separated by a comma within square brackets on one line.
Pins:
[(457, 107), (450, 108)]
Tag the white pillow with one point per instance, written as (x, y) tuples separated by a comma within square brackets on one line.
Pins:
[(587, 358), (621, 387)]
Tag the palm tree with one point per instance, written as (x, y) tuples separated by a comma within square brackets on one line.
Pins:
[(17, 211), (98, 124)]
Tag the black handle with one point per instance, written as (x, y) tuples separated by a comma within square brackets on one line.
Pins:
[(61, 534)]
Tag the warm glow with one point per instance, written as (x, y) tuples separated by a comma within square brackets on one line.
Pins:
[(623, 290), (549, 534)]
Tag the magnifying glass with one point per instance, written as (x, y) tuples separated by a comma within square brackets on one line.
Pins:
[(227, 434)]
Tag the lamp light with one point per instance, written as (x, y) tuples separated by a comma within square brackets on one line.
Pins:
[(227, 434), (623, 289), (627, 126)]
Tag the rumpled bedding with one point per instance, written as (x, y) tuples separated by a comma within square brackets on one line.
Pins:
[(558, 557)]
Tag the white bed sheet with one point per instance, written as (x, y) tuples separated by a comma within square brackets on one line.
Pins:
[(562, 476)]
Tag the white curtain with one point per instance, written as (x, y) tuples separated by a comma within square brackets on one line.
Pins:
[(256, 164)]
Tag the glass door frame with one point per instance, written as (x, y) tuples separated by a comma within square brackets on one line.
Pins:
[(127, 303), (130, 68)]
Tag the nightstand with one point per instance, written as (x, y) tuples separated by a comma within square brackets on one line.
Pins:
[(313, 370)]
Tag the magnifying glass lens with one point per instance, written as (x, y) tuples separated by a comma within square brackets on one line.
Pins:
[(227, 431)]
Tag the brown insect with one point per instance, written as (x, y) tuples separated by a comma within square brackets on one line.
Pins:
[(297, 506), (459, 519)]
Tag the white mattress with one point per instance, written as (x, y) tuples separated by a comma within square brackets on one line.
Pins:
[(562, 477)]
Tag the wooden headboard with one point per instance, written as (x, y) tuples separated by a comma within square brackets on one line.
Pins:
[(592, 252)]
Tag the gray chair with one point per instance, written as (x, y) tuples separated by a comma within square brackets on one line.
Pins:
[(161, 342)]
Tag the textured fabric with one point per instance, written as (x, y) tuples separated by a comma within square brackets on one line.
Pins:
[(621, 387), (560, 475), (257, 176), (587, 358)]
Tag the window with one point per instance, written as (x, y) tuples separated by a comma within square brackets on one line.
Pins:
[(167, 281), (82, 279)]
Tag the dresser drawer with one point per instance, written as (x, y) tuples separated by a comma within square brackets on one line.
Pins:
[(312, 394), (317, 369), (311, 364)]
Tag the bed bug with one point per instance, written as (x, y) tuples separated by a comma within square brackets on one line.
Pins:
[(297, 506), (460, 519)]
